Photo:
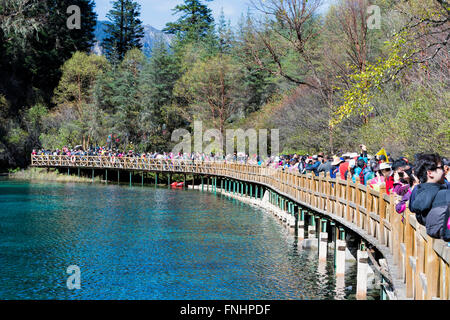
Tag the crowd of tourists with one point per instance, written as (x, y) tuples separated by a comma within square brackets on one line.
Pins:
[(421, 184)]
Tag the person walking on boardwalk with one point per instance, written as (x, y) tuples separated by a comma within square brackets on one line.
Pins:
[(430, 199)]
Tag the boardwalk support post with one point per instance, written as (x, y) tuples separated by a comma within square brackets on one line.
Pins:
[(301, 224), (340, 252), (312, 227), (323, 240), (361, 284), (292, 217)]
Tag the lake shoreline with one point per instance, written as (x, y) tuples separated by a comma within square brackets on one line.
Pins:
[(40, 174)]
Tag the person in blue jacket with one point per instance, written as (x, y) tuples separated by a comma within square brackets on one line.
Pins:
[(313, 165)]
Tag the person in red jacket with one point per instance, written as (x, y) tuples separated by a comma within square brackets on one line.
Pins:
[(386, 171)]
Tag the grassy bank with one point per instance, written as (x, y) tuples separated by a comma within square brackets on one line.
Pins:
[(41, 174)]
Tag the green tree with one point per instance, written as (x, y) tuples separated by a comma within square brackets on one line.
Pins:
[(225, 34), (259, 85), (37, 43), (158, 80), (124, 29), (212, 88), (195, 23), (75, 88), (119, 96)]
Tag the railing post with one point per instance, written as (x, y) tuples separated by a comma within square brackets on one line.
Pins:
[(409, 239), (432, 270), (348, 194), (382, 214)]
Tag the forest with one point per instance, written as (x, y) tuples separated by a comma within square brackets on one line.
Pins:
[(361, 72)]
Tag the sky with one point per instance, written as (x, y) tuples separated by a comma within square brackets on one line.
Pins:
[(158, 12)]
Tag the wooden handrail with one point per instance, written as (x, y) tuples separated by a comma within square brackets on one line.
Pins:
[(422, 262)]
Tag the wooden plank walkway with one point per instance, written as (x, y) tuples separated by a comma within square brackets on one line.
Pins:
[(419, 263)]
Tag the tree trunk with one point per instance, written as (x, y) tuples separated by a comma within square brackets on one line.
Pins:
[(330, 132)]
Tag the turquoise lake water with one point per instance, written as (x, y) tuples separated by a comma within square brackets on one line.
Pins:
[(150, 243)]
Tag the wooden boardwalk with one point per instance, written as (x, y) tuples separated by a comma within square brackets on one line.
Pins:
[(419, 264)]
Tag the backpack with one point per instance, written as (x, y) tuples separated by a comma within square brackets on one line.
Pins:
[(446, 226), (437, 218)]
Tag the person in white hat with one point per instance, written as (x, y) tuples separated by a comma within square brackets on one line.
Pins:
[(383, 176), (335, 166)]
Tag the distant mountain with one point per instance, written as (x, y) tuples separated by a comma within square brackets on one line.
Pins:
[(151, 36)]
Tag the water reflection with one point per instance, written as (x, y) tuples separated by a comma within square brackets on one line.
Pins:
[(147, 243)]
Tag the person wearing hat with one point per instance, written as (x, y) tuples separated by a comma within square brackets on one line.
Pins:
[(335, 166), (386, 171), (383, 172)]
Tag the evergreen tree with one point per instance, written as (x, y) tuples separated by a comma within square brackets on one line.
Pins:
[(225, 34), (195, 23), (158, 80), (124, 29), (38, 42), (118, 93)]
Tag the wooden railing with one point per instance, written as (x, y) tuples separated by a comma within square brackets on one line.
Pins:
[(421, 263)]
